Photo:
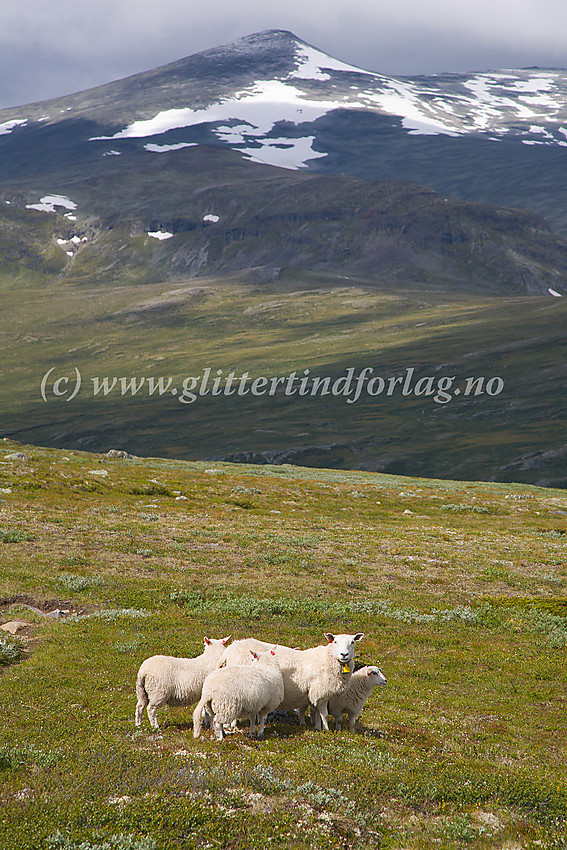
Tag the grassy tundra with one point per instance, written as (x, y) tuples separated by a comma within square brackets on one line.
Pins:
[(459, 587)]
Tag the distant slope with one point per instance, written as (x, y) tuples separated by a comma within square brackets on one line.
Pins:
[(272, 329), (203, 210)]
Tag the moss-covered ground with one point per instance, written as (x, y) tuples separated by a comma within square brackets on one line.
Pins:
[(459, 587)]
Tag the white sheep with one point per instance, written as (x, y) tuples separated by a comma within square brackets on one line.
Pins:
[(168, 680), (240, 652), (313, 676), (351, 701), (232, 692)]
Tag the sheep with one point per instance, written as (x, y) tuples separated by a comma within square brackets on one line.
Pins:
[(167, 680), (313, 676), (230, 692), (362, 683), (240, 652)]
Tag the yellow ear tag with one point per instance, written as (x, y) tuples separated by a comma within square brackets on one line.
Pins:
[(346, 668)]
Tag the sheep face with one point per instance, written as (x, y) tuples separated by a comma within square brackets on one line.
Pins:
[(376, 676), (343, 646)]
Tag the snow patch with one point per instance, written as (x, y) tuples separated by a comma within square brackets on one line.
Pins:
[(8, 126), (284, 153), (165, 148), (75, 240), (405, 100), (160, 234), (257, 109), (49, 203), (535, 128), (312, 65), (554, 293), (538, 83), (112, 153), (211, 217)]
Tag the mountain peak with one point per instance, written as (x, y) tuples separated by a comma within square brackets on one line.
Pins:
[(270, 36), (265, 45)]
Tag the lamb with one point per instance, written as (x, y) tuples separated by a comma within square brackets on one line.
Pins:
[(313, 676), (167, 680), (231, 692), (362, 683)]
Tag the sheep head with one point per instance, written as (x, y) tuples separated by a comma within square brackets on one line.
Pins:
[(376, 675), (210, 641), (342, 648)]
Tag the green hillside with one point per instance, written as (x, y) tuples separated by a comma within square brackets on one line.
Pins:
[(459, 588), (316, 322)]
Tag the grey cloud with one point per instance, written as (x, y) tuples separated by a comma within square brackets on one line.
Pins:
[(48, 49)]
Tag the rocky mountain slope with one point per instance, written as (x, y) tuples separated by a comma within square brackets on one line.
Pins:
[(204, 211)]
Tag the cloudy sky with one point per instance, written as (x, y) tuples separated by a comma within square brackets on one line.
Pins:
[(50, 48)]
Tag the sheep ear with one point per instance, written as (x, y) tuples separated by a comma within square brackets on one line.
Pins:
[(359, 636), (330, 637), (206, 641), (226, 640)]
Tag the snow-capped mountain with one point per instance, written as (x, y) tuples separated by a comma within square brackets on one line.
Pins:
[(269, 117), (528, 105), (494, 136), (184, 156)]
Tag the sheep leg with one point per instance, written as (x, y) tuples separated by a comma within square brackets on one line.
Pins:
[(338, 723), (152, 715), (143, 700), (352, 718), (198, 715), (252, 724), (323, 712), (261, 726), (219, 732)]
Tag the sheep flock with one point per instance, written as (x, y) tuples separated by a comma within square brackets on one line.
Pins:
[(251, 678)]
